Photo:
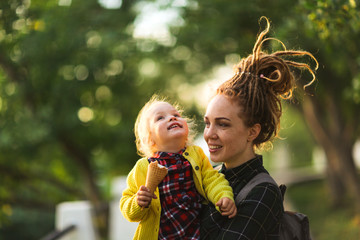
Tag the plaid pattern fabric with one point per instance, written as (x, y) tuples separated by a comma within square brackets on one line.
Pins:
[(258, 215), (180, 201)]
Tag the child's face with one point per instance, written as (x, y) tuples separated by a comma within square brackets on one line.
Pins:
[(168, 130)]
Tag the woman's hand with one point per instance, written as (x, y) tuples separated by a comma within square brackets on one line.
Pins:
[(227, 207), (144, 197)]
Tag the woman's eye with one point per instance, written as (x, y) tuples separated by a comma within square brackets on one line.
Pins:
[(223, 124)]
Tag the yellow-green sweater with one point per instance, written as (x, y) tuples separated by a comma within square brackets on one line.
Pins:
[(210, 184)]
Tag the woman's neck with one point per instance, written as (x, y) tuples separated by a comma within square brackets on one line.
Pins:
[(247, 156)]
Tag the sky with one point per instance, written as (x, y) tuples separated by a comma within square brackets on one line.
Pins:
[(111, 3), (154, 17)]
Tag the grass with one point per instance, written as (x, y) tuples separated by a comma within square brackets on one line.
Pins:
[(326, 222)]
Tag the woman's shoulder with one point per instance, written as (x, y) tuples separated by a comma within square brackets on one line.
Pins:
[(258, 187), (266, 188), (267, 194)]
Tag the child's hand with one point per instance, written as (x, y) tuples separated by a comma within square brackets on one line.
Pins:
[(144, 197), (227, 207)]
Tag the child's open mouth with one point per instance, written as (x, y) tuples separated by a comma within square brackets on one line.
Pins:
[(174, 125)]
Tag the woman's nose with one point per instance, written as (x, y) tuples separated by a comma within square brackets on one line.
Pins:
[(210, 132)]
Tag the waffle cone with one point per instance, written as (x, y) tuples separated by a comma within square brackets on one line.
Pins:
[(155, 175)]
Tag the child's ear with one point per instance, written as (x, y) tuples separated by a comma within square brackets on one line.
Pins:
[(151, 142), (254, 132)]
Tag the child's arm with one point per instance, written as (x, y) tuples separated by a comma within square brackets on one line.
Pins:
[(227, 207), (129, 204), (216, 187)]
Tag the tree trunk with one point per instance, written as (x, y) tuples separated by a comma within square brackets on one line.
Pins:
[(335, 185), (101, 208), (341, 170)]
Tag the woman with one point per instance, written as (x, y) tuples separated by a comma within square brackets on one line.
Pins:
[(242, 117)]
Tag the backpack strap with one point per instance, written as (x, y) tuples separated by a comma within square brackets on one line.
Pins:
[(259, 178)]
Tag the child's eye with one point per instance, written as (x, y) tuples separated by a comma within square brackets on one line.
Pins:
[(159, 118), (177, 115)]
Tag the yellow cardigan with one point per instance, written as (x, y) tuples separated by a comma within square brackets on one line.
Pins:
[(211, 184)]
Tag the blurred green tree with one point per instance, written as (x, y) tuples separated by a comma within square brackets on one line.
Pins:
[(69, 95), (73, 77), (333, 29)]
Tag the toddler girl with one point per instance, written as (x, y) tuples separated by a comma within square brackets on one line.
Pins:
[(172, 212)]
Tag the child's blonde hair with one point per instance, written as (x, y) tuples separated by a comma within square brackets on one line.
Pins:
[(142, 131)]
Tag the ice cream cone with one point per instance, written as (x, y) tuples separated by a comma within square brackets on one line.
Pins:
[(155, 175)]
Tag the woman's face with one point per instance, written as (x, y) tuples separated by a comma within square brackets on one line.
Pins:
[(228, 139)]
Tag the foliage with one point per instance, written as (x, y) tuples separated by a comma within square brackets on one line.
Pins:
[(68, 100), (295, 138), (332, 27), (335, 26), (326, 223), (29, 221), (73, 78)]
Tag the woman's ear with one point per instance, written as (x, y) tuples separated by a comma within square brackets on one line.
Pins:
[(253, 132)]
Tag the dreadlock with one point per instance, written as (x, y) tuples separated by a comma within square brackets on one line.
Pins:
[(261, 80)]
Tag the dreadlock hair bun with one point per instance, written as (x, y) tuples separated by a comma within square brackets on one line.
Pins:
[(261, 80)]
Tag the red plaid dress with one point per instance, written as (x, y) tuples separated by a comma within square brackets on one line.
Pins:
[(180, 201)]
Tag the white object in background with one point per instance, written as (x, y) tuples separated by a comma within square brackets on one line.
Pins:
[(77, 213), (119, 228)]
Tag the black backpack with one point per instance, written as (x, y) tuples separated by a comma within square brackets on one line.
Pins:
[(293, 225)]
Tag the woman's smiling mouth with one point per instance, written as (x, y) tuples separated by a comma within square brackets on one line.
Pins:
[(214, 148)]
